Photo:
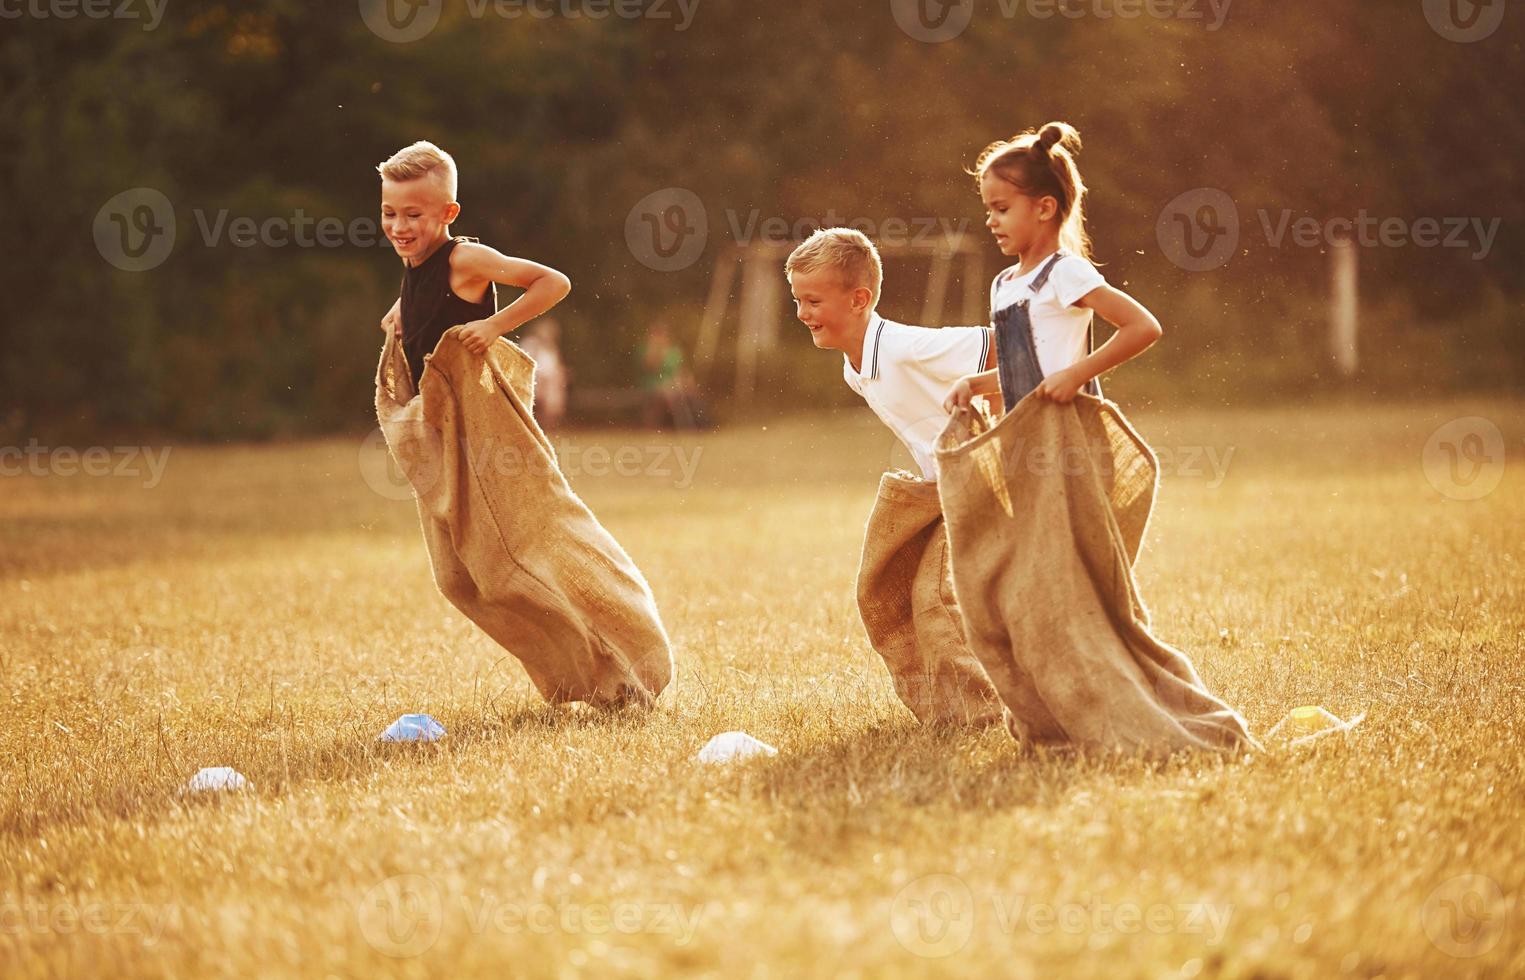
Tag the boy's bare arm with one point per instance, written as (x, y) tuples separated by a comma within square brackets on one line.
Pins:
[(543, 287), (966, 388)]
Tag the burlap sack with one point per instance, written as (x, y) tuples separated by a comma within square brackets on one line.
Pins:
[(513, 548), (1046, 510), (905, 597)]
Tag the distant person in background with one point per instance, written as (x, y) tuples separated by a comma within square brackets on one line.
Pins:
[(542, 342), (671, 393)]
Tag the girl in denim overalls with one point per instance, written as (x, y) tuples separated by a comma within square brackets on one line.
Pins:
[(1042, 307), (1085, 670)]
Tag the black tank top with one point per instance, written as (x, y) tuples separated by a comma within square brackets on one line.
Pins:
[(430, 306)]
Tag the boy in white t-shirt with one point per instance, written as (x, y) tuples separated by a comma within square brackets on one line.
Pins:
[(904, 372), (905, 594)]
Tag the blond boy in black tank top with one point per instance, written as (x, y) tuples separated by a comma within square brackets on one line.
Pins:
[(447, 280)]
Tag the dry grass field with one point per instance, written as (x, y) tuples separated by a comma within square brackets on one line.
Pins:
[(270, 608)]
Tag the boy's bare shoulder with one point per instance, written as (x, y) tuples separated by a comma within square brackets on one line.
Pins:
[(470, 256), (467, 249)]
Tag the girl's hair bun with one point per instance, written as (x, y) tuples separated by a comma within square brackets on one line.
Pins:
[(1059, 134)]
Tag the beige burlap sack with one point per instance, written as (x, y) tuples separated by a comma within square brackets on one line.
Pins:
[(1045, 511), (513, 548), (906, 600)]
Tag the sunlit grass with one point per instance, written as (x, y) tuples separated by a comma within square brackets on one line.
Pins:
[(265, 608)]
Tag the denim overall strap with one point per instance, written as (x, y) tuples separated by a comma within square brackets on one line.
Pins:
[(1017, 354)]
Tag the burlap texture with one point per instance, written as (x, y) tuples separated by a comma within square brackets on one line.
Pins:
[(512, 546), (1046, 510), (905, 597)]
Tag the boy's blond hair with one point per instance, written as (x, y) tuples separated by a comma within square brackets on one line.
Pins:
[(422, 159), (846, 250)]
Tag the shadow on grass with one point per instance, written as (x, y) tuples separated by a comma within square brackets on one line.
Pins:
[(902, 771)]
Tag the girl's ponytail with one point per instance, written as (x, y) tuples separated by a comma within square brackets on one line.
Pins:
[(1059, 134)]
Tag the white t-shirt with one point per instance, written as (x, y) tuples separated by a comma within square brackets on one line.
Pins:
[(1060, 329), (906, 374)]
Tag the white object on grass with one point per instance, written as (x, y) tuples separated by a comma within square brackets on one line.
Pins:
[(733, 747), (1303, 725), (413, 728), (215, 778)]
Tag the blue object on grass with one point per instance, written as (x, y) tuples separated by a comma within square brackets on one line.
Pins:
[(413, 728)]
